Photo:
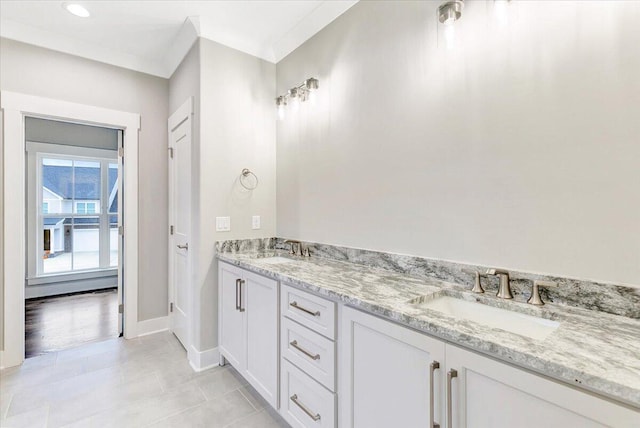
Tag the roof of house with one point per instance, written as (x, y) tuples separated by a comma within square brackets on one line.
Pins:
[(52, 221), (60, 180)]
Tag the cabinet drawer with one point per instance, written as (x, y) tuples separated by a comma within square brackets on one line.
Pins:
[(311, 311), (304, 402), (308, 350)]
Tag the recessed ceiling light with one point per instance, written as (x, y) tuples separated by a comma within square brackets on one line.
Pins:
[(77, 10)]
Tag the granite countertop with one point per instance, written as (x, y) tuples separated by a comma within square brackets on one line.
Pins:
[(593, 350)]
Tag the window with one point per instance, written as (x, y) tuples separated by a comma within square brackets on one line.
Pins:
[(75, 231), (85, 207)]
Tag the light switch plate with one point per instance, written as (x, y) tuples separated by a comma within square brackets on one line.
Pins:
[(223, 224), (255, 222)]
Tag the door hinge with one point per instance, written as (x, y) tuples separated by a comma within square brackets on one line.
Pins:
[(121, 230), (121, 151), (171, 229), (171, 307), (171, 152), (121, 309)]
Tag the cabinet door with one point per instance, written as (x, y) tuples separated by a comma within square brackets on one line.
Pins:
[(385, 374), (231, 319), (488, 393), (261, 297)]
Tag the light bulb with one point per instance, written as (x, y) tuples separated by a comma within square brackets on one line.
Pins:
[(294, 99), (281, 102), (450, 36), (77, 10), (501, 11)]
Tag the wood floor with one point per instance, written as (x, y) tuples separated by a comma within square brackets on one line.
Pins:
[(61, 322)]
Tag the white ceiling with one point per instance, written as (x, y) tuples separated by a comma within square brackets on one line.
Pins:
[(153, 36)]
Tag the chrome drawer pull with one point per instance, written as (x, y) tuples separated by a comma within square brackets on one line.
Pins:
[(237, 292), (452, 373), (315, 417), (300, 308), (432, 368), (304, 351), (240, 308)]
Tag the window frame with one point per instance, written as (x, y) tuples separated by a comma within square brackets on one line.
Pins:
[(104, 157)]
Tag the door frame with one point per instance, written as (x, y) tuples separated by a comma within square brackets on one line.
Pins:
[(15, 106), (182, 114)]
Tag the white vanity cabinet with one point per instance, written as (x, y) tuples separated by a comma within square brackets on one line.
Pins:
[(388, 374), (385, 381), (307, 337), (488, 393), (248, 327)]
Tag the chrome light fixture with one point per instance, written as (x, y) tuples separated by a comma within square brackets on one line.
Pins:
[(450, 11), (294, 96)]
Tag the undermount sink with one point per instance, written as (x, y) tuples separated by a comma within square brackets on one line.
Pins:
[(525, 325), (276, 259)]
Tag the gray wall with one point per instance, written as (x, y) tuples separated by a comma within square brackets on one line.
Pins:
[(42, 72), (517, 148), (237, 131)]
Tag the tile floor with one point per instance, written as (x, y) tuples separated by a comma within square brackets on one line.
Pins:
[(144, 382)]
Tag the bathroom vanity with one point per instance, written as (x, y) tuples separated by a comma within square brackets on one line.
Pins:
[(330, 343)]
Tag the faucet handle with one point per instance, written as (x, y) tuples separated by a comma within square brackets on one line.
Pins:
[(293, 242), (477, 286), (535, 291), (494, 271)]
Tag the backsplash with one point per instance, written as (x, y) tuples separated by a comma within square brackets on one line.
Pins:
[(610, 298)]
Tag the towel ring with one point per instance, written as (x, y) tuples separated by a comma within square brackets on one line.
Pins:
[(243, 176)]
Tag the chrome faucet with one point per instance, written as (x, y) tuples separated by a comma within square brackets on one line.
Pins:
[(504, 292), (294, 244)]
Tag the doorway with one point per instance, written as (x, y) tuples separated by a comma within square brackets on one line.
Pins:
[(15, 108), (74, 204)]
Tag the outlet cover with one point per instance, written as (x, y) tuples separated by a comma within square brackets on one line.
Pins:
[(223, 224), (255, 222)]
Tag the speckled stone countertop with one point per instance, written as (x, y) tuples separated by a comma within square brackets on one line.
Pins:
[(593, 350)]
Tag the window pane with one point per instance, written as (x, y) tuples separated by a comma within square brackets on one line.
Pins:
[(57, 185), (86, 243), (57, 245), (45, 208), (113, 240), (113, 188), (86, 186)]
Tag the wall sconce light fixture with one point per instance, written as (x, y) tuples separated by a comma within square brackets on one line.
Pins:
[(450, 11), (294, 96)]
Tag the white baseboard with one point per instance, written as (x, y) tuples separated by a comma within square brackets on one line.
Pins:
[(154, 325), (58, 288), (203, 360)]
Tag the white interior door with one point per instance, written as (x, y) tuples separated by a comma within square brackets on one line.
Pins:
[(180, 225)]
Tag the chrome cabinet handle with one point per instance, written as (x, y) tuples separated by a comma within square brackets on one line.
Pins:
[(237, 292), (183, 247), (452, 373), (295, 305), (432, 368), (312, 415), (304, 351), (240, 308)]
